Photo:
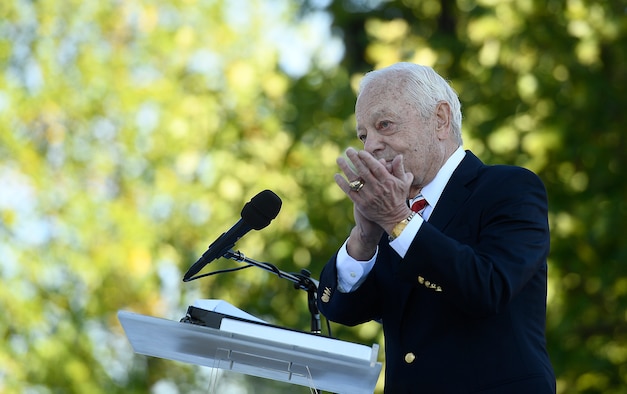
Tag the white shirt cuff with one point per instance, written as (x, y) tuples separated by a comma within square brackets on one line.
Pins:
[(352, 273)]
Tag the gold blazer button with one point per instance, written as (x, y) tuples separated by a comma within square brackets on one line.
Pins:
[(410, 357)]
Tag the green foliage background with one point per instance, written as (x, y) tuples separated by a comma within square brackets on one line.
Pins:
[(132, 133)]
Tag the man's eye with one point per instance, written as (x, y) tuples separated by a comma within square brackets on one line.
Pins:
[(384, 124)]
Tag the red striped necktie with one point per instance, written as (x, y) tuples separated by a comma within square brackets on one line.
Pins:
[(419, 205)]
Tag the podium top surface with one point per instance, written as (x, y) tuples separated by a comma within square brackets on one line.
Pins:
[(258, 349)]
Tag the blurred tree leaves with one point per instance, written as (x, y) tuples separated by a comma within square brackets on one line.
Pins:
[(132, 133)]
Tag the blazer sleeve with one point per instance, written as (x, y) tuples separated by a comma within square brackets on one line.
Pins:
[(352, 308)]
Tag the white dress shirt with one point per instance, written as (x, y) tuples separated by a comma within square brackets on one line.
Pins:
[(351, 273)]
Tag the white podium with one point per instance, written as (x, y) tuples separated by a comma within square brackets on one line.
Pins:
[(258, 349)]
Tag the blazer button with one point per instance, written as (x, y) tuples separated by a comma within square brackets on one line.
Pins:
[(410, 357)]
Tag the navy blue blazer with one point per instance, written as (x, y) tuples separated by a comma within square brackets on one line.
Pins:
[(465, 310)]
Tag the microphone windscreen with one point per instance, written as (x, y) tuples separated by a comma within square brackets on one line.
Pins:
[(261, 209)]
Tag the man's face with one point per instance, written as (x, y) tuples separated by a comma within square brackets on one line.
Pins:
[(389, 125)]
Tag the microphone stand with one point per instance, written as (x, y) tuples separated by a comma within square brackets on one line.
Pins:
[(302, 281)]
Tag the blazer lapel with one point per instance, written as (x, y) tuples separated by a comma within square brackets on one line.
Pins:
[(456, 191)]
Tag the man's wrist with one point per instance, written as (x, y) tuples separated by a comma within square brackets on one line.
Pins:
[(358, 248), (400, 226)]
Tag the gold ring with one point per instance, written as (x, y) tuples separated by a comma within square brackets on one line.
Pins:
[(356, 185)]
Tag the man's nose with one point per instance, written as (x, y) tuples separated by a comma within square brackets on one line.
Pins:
[(374, 143)]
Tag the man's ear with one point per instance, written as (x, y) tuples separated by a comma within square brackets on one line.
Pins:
[(443, 119)]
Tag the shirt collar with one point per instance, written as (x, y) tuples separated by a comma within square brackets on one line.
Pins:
[(432, 191)]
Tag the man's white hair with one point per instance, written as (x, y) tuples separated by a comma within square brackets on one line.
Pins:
[(425, 88)]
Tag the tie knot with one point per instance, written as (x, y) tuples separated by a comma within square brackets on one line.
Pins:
[(419, 205)]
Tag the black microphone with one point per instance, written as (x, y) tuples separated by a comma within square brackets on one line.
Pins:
[(256, 214)]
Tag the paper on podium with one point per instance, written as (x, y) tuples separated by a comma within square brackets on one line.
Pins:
[(258, 349), (224, 307)]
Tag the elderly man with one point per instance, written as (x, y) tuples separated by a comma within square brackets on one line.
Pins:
[(449, 254)]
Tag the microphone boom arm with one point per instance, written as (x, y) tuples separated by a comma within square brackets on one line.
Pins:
[(302, 281)]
